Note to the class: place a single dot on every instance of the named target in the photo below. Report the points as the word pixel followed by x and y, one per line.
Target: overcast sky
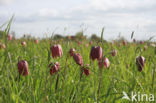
pixel 45 16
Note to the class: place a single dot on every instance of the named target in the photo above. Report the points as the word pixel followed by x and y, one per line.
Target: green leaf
pixel 102 34
pixel 132 34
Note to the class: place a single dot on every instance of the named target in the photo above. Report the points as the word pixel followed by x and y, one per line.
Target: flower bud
pixel 56 51
pixel 124 42
pixel 23 67
pixel 106 63
pixel 90 43
pixel 54 68
pixel 36 41
pixel 23 43
pixel 86 45
pixel 96 53
pixel 72 51
pixel 141 42
pixel 78 59
pixel 9 37
pixel 140 62
pixel 114 52
pixel 134 40
pixel 86 70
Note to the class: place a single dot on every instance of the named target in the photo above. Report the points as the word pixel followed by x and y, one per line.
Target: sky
pixel 42 17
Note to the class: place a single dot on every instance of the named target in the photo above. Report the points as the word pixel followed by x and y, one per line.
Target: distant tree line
pixel 78 36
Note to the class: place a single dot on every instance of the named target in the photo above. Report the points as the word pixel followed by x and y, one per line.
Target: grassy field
pixel 65 86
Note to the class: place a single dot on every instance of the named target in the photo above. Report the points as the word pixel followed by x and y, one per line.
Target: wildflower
pixel 134 40
pixel 23 67
pixel 9 37
pixel 36 41
pixel 114 52
pixel 86 70
pixel 96 53
pixel 54 68
pixel 140 61
pixel 141 42
pixel 56 51
pixel 124 43
pixel 105 63
pixel 90 43
pixel 23 43
pixel 72 51
pixel 78 59
pixel 86 45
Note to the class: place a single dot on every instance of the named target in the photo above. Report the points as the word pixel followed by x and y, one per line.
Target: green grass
pixel 39 86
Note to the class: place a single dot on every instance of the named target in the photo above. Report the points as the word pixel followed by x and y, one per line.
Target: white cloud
pixel 47 12
pixel 121 4
pixel 115 15
pixel 6 2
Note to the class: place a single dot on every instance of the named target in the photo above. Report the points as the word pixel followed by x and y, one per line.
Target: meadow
pixel 70 84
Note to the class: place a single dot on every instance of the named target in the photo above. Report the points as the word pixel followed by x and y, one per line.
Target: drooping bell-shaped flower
pixel 9 37
pixel 23 43
pixel 56 51
pixel 23 67
pixel 124 42
pixel 72 51
pixel 36 41
pixel 114 52
pixel 96 53
pixel 134 40
pixel 54 68
pixel 78 59
pixel 105 63
pixel 86 70
pixel 140 61
pixel 90 42
pixel 141 42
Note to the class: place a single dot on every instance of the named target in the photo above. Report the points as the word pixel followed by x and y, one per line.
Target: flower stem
pixel 57 81
pixel 100 81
